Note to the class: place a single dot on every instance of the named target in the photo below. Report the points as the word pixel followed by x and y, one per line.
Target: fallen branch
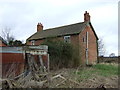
pixel 6 83
pixel 74 81
pixel 60 83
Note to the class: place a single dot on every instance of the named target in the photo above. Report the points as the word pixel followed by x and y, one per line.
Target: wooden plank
pixel 41 47
pixel 44 47
pixel 48 63
pixel 41 62
pixel 37 52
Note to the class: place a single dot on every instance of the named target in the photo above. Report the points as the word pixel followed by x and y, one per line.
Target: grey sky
pixel 22 17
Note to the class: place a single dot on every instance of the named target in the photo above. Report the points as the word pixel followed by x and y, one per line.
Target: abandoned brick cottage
pixel 79 34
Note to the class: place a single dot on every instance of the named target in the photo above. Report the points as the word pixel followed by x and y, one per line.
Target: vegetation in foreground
pixel 62 54
pixel 87 77
pixel 105 70
pixel 90 77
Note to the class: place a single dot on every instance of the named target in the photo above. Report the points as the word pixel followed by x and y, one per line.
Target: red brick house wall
pixel 92 46
pixel 38 42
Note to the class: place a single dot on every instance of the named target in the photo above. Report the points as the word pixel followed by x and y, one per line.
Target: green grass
pixel 98 69
pixel 85 74
pixel 106 70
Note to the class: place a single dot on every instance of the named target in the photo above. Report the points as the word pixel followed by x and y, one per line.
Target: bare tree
pixel 101 47
pixel 6 34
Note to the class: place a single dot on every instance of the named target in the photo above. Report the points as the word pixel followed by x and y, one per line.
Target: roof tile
pixel 59 31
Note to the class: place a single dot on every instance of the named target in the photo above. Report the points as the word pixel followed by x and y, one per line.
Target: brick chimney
pixel 86 17
pixel 39 27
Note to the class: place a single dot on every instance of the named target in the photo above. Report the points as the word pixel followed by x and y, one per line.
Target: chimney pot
pixel 39 27
pixel 86 17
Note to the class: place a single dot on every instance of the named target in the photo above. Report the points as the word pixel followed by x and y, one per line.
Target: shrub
pixel 62 54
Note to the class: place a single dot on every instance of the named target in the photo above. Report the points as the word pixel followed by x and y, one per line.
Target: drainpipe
pixel 87 48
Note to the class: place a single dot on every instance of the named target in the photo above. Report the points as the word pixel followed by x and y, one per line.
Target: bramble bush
pixel 62 54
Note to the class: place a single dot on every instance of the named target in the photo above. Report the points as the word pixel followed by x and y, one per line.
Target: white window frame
pixel 33 42
pixel 67 39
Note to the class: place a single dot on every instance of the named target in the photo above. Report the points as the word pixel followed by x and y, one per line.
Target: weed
pixel 98 69
pixel 106 70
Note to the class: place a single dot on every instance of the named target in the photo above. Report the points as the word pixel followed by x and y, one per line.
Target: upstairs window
pixel 67 39
pixel 84 39
pixel 33 42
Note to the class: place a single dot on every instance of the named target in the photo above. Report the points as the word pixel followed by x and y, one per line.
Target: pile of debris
pixel 37 81
pixel 35 76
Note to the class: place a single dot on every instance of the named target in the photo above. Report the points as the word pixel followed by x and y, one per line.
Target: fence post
pixel 48 63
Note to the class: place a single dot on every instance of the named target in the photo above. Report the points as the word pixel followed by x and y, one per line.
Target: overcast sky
pixel 22 17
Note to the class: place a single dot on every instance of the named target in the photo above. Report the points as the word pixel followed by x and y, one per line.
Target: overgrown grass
pixel 85 74
pixel 106 70
pixel 98 69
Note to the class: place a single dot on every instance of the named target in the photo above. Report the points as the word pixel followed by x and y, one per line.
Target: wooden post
pixel 48 67
pixel 29 62
pixel 35 50
pixel 41 62
pixel 24 54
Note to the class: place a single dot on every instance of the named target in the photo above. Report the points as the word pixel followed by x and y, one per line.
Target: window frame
pixel 32 42
pixel 67 38
pixel 83 39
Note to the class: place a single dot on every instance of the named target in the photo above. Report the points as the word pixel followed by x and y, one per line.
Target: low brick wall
pixel 108 59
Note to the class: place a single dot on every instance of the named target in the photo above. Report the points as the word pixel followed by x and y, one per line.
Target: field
pixel 82 77
pixel 91 77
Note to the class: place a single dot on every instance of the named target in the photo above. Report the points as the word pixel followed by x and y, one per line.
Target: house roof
pixel 60 31
pixel 3 40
